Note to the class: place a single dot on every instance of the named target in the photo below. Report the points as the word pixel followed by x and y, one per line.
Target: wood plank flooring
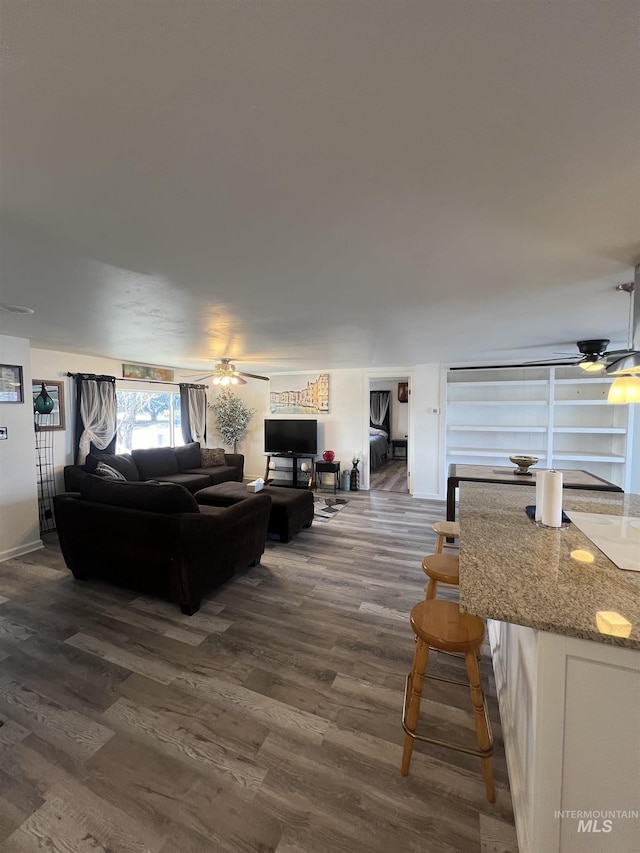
pixel 269 721
pixel 391 476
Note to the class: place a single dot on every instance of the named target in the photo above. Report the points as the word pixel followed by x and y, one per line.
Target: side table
pixel 322 467
pixel 398 443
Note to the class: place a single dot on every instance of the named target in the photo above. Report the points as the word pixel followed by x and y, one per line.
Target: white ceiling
pixel 297 184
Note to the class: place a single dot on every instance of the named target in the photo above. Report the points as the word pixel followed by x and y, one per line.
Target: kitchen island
pixel 564 627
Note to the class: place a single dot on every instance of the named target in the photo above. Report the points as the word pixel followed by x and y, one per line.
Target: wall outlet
pixel 435 410
pixel 4 433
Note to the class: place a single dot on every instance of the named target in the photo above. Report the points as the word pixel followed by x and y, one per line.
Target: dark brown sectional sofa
pixel 154 538
pixel 181 465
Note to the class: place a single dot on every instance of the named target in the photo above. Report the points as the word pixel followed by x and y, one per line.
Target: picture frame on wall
pixel 403 392
pixel 11 385
pixel 55 419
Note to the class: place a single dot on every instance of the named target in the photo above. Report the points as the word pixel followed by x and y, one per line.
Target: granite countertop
pixel 513 570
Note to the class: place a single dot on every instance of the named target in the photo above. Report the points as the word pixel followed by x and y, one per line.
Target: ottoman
pixel 291 509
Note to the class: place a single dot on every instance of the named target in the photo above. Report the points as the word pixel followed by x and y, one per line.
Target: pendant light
pixel 43 404
pixel 624 389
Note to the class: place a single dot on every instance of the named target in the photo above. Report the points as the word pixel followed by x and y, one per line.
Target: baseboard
pixel 20 550
pixel 428 496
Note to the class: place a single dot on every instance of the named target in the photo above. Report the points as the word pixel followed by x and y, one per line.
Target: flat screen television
pixel 291 436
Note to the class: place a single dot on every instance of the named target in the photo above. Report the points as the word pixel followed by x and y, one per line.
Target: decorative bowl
pixel 328 456
pixel 523 463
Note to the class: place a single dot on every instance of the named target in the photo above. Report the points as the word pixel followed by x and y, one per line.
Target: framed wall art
pixel 11 387
pixel 143 371
pixel 55 418
pixel 306 394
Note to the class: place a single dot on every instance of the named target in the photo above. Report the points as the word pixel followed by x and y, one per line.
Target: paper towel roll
pixel 540 475
pixel 552 499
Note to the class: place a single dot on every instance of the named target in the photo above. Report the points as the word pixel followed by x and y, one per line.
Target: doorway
pixel 389 422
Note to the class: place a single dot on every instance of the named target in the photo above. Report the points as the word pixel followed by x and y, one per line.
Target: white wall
pixel 426 432
pixel 340 430
pixel 19 523
pixel 399 411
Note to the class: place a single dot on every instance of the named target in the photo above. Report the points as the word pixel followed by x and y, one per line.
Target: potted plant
pixel 231 417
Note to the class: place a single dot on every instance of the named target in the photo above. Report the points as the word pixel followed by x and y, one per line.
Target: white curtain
pixel 198 414
pixel 99 413
pixel 379 405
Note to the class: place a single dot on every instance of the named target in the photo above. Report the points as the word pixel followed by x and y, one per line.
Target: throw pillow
pixel 122 462
pixel 104 470
pixel 212 456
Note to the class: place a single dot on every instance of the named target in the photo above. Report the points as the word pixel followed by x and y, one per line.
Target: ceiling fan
pixel 592 355
pixel 225 373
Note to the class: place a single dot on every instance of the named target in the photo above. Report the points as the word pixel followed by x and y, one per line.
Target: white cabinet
pixel 569 712
pixel 550 412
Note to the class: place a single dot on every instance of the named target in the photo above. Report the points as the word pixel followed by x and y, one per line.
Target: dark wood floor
pixel 269 721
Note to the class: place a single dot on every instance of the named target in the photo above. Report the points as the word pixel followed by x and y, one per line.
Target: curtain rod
pixel 130 379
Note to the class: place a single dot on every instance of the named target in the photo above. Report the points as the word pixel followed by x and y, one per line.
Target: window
pixel 148 419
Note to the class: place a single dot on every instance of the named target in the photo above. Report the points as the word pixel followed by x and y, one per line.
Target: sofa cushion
pixel 150 497
pixel 211 456
pixel 104 470
pixel 153 462
pixel 192 482
pixel 222 474
pixel 122 462
pixel 188 455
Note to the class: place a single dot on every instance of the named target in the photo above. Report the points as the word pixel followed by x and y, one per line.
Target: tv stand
pixel 293 484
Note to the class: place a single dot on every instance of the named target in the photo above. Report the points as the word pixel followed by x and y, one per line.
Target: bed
pixel 378 447
pixel 379 438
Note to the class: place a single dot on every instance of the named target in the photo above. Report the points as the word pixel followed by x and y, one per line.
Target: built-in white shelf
pixel 567 416
pixel 598 380
pixel 498 403
pixel 491 451
pixel 590 457
pixel 492 428
pixel 581 402
pixel 516 383
pixel 590 430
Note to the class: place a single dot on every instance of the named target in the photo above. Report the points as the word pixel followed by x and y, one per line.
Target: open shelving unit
pixel 279 473
pixel 556 413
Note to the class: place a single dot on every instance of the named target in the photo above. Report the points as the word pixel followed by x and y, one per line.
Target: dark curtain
pixel 96 415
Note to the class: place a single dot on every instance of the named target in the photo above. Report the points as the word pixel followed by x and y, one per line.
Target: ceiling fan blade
pixel 252 375
pixel 618 353
pixel 551 361
pixel 522 364
pixel 200 375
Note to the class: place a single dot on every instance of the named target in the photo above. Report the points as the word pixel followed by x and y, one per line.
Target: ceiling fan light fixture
pixel 624 390
pixel 592 366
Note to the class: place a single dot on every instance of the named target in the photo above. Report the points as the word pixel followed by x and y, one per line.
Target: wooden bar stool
pixel 440 568
pixel 441 625
pixel 446 530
